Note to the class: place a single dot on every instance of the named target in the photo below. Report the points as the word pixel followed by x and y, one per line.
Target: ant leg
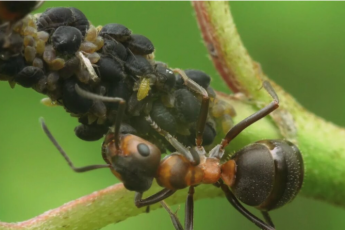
pixel 189 209
pixel 63 153
pixel 155 198
pixel 174 219
pixel 192 85
pixel 234 202
pixel 267 218
pixel 190 154
pixel 238 128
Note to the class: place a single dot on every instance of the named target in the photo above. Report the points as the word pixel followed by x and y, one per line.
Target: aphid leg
pixel 63 153
pixel 267 218
pixel 189 210
pixel 155 198
pixel 234 202
pixel 190 154
pixel 174 219
pixel 238 128
pixel 121 109
pixel 192 85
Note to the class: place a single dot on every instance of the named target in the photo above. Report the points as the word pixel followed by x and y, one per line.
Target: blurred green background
pixel 300 45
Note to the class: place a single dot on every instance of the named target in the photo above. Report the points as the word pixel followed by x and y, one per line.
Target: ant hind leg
pixel 239 207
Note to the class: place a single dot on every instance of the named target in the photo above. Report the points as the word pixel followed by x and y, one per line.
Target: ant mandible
pixel 266 174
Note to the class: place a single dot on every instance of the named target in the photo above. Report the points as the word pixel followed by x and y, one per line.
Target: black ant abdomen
pixel 269 174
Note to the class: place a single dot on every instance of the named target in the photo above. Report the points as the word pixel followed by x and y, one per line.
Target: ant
pixel 266 174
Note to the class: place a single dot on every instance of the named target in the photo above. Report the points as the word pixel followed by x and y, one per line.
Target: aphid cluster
pixel 53 51
pixel 107 77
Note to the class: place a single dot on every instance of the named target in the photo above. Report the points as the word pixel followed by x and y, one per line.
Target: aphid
pixel 66 40
pixel 110 69
pixel 144 88
pixel 163 117
pixel 138 65
pixel 114 49
pixel 71 99
pixel 55 17
pixel 140 44
pixel 11 67
pixel 91 132
pixel 166 79
pixel 116 31
pixel 186 105
pixel 196 75
pixel 29 76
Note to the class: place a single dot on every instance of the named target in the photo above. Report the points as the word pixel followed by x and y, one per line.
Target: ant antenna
pixel 64 154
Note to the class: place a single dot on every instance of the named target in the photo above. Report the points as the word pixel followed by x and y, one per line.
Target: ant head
pixel 135 162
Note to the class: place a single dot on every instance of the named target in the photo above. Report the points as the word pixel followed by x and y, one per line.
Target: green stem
pixel 321 142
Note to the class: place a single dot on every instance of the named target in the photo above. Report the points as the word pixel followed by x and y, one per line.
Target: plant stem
pixel 321 142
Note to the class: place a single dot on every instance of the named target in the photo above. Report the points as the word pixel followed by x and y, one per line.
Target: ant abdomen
pixel 268 174
pixel 135 163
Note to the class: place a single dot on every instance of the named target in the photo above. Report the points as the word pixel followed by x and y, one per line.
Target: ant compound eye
pixel 143 149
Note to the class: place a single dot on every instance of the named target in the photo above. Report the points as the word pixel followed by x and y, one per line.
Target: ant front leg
pixel 155 198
